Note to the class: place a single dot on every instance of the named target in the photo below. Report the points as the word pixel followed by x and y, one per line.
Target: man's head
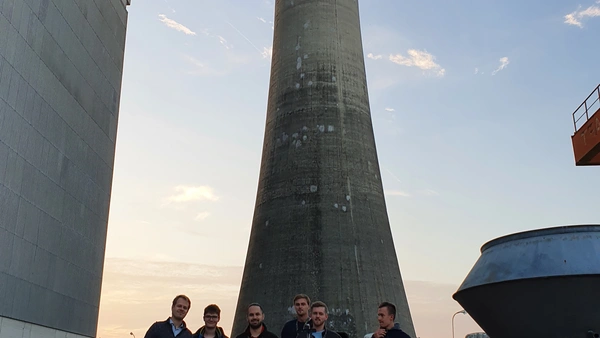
pixel 255 315
pixel 318 314
pixel 301 305
pixel 180 307
pixel 386 314
pixel 212 315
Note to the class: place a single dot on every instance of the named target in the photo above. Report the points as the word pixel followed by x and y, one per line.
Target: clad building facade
pixel 61 64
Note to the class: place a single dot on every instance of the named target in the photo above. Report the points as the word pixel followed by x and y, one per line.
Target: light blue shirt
pixel 318 334
pixel 177 330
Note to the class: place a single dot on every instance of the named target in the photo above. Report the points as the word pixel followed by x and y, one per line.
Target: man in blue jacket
pixel 174 326
pixel 386 315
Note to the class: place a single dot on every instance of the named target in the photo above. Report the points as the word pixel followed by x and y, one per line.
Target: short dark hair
pixel 254 304
pixel 318 304
pixel 184 297
pixel 212 308
pixel 302 296
pixel 391 308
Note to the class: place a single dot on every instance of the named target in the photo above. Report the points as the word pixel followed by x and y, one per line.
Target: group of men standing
pixel 310 322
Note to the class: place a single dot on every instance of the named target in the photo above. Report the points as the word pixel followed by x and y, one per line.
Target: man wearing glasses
pixel 212 315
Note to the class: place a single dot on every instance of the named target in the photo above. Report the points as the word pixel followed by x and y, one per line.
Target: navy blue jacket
pixel 165 330
pixel 396 332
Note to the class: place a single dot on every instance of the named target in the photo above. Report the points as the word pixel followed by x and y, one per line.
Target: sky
pixel 471 105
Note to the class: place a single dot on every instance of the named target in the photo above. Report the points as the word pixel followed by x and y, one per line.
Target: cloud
pixel 267 52
pixel 397 193
pixel 188 194
pixel 390 109
pixel 245 38
pixel 202 216
pixel 575 17
pixel 374 57
pixel 175 25
pixel 503 63
pixel 392 174
pixel 199 67
pixel 419 59
pixel 428 192
pixel 224 42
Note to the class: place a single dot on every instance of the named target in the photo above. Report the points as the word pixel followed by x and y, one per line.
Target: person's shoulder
pixel 290 322
pixel 157 324
pixel 269 334
pixel 397 333
pixel 220 332
pixel 185 333
pixel 332 334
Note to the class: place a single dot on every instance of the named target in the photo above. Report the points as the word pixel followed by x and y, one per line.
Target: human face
pixel 301 306
pixel 318 317
pixel 211 320
pixel 255 317
pixel 386 320
pixel 180 309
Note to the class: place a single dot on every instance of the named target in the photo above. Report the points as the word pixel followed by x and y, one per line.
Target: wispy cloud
pixel 575 18
pixel 390 109
pixel 374 57
pixel 428 192
pixel 392 174
pixel 267 22
pixel 188 194
pixel 245 37
pixel 397 193
pixel 503 63
pixel 199 68
pixel 223 42
pixel 419 59
pixel 175 25
pixel 202 216
pixel 267 52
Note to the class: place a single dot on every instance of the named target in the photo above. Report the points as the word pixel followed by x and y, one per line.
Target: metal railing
pixel 586 109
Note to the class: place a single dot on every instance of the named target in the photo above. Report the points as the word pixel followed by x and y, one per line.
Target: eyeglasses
pixel 211 317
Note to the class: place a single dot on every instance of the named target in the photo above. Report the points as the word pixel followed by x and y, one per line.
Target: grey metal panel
pixel 57 132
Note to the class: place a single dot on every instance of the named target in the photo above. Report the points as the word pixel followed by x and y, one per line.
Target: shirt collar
pixel 180 326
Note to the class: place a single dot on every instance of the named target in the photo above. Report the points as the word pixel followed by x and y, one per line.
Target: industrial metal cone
pixel 320 224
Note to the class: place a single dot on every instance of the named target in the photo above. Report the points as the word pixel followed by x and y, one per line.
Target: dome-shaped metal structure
pixel 539 283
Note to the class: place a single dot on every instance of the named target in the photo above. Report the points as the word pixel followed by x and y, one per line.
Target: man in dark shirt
pixel 386 314
pixel 319 315
pixel 300 326
pixel 256 328
pixel 174 326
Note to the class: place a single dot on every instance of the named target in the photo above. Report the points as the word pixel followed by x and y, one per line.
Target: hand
pixel 379 333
